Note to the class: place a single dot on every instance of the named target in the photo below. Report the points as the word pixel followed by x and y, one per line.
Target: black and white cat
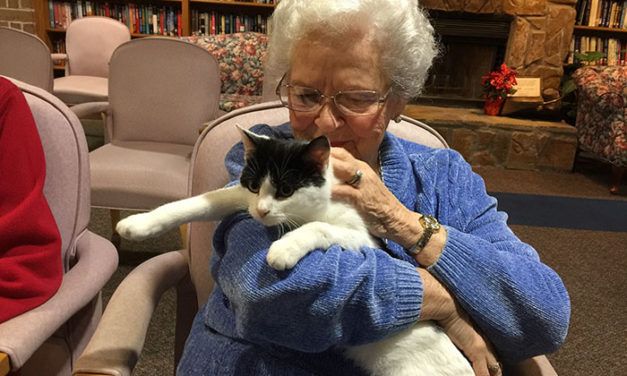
pixel 288 183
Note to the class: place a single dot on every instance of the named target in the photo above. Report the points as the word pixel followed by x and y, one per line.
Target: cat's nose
pixel 263 212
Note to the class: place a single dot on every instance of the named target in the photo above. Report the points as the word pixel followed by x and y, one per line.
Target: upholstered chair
pixel 602 116
pixel 89 43
pixel 119 339
pixel 161 92
pixel 25 57
pixel 47 339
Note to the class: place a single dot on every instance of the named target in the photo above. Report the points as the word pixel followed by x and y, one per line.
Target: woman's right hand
pixel 439 305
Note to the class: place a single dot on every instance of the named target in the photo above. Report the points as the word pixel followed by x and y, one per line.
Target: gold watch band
pixel 430 225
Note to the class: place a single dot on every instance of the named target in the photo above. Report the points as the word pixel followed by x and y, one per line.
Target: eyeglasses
pixel 349 102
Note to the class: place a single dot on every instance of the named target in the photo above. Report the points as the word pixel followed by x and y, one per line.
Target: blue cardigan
pixel 293 322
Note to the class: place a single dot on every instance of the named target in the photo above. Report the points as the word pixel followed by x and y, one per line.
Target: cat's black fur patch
pixel 288 164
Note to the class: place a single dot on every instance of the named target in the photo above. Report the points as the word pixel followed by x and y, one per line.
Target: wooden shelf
pixel 49 35
pixel 600 30
pixel 234 3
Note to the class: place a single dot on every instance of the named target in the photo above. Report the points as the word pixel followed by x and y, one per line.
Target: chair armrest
pixel 536 366
pixel 21 336
pixel 84 109
pixel 119 338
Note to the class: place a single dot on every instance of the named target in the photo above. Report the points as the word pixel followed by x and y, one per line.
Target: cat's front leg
pixel 284 253
pixel 213 205
pixel 142 226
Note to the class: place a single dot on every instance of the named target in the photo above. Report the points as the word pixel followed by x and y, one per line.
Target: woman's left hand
pixel 381 210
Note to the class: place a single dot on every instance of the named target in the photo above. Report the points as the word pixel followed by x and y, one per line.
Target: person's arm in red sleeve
pixel 30 244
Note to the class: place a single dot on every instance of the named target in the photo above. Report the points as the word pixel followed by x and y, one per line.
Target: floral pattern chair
pixel 241 57
pixel 601 115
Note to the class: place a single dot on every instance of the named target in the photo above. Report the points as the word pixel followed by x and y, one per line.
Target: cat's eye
pixel 253 186
pixel 284 191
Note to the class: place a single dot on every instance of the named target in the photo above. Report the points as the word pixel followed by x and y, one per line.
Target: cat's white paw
pixel 283 254
pixel 138 227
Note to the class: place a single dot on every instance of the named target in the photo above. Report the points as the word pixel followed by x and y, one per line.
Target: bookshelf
pixel 601 26
pixel 154 17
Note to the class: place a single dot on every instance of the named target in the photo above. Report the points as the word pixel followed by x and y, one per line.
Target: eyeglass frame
pixel 379 102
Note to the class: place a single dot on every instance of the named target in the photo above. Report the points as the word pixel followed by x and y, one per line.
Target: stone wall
pixel 502 141
pixel 539 37
pixel 18 14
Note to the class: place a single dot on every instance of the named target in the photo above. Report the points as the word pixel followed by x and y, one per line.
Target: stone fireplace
pixel 536 45
pixel 532 36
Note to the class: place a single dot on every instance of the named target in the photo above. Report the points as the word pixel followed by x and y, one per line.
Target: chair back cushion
pixel 26 58
pixel 89 43
pixel 67 165
pixel 162 90
pixel 602 112
pixel 208 171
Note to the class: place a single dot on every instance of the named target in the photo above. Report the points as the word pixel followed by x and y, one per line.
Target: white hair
pixel 400 30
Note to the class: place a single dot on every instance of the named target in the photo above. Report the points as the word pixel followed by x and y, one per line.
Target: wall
pixel 18 14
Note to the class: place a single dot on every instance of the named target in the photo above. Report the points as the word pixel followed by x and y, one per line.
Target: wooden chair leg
pixel 617 175
pixel 115 237
pixel 184 229
pixel 5 365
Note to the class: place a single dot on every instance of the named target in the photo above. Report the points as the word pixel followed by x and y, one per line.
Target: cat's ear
pixel 249 139
pixel 318 150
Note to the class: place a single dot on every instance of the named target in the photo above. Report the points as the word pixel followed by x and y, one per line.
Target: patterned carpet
pixel 592 263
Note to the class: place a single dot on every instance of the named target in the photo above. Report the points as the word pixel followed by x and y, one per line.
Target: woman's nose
pixel 328 118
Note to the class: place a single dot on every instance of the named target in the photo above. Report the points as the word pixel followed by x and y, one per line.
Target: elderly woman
pixel 349 68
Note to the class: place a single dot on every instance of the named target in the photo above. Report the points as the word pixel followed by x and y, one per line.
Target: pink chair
pixel 89 43
pixel 119 339
pixel 161 92
pixel 48 339
pixel 25 57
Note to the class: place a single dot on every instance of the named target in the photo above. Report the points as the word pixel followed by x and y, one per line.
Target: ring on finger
pixel 494 369
pixel 355 179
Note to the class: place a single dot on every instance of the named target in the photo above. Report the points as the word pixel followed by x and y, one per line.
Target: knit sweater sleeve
pixel 331 297
pixel 518 302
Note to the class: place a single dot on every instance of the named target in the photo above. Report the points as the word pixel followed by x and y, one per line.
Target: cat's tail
pixel 209 206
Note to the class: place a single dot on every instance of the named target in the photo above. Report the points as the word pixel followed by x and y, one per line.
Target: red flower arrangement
pixel 499 83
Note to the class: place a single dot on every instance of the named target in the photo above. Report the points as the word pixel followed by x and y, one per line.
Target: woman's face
pixel 329 69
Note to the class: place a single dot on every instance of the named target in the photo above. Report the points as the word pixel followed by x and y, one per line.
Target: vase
pixel 493 106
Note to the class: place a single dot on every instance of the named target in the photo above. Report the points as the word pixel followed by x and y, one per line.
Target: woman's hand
pixel 439 305
pixel 385 216
pixel 380 209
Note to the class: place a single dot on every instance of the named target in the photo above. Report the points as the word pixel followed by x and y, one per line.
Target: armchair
pixel 241 57
pixel 602 116
pixel 89 43
pixel 25 57
pixel 118 341
pixel 161 92
pixel 47 339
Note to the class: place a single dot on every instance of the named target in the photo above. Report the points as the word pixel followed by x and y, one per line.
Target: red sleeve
pixel 30 243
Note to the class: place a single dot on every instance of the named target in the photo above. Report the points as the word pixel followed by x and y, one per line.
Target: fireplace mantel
pixel 539 37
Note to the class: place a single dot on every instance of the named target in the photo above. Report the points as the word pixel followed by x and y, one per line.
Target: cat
pixel 288 183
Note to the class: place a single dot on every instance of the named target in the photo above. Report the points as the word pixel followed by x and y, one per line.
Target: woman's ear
pixel 395 106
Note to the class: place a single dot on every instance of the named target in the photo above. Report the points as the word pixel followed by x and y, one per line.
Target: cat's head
pixel 288 178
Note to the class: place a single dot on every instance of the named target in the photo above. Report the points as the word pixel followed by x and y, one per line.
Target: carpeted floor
pixel 592 263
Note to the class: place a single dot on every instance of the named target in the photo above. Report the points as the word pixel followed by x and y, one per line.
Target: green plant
pixel 568 89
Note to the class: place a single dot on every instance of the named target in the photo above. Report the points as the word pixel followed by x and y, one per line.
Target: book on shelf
pixel 154 19
pixel 215 22
pixel 614 50
pixel 601 13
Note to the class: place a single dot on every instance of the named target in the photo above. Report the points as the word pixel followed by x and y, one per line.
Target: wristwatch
pixel 430 225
